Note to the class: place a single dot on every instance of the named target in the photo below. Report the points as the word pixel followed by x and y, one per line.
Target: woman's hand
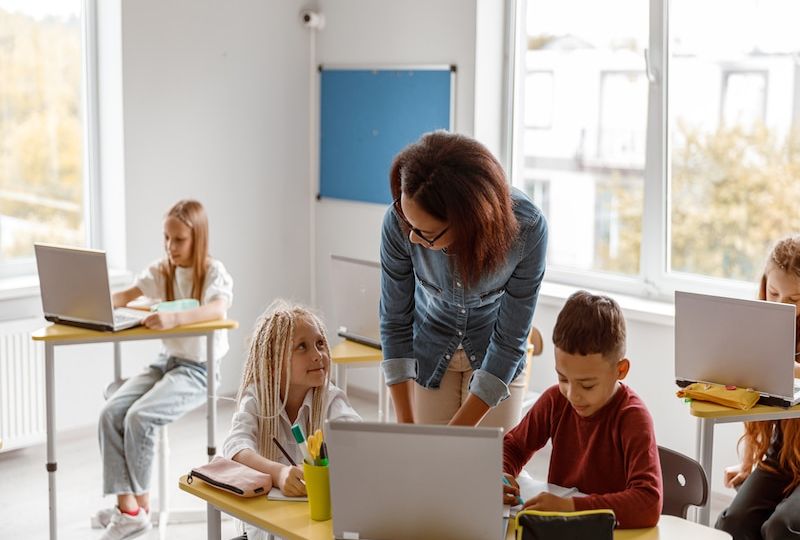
pixel 290 481
pixel 161 321
pixel 549 502
pixel 510 490
pixel 736 474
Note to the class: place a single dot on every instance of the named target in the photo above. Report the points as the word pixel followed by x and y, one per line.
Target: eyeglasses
pixel 430 241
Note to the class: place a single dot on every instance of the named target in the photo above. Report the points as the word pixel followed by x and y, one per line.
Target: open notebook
pixel 530 487
pixel 276 495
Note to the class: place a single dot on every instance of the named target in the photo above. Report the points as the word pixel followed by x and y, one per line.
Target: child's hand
pixel 549 502
pixel 290 482
pixel 735 475
pixel 161 321
pixel 510 492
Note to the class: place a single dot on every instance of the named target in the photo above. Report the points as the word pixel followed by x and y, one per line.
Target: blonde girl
pixel 286 381
pixel 176 382
pixel 768 502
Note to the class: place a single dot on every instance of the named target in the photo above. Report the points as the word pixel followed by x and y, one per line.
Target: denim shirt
pixel 426 312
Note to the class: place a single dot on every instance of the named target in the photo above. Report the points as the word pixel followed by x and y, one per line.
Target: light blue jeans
pixel 168 389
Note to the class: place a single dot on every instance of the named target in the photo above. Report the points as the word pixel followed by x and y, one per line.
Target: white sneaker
pixel 103 517
pixel 124 526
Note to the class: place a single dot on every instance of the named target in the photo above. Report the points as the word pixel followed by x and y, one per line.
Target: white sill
pixel 13 288
pixel 634 308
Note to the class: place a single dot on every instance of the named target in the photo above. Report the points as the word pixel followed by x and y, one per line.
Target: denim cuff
pixel 492 390
pixel 397 370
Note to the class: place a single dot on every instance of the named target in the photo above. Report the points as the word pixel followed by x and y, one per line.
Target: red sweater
pixel 611 456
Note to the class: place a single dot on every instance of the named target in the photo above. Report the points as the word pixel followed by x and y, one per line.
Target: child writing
pixel 603 438
pixel 176 382
pixel 768 502
pixel 286 381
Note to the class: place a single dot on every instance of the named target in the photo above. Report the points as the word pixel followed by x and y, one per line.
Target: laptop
pixel 746 343
pixel 74 287
pixel 410 481
pixel 356 287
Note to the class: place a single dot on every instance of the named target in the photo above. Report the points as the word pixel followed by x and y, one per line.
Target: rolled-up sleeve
pixel 397 303
pixel 515 314
pixel 244 427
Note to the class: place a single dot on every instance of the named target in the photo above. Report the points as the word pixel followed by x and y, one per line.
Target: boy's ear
pixel 623 367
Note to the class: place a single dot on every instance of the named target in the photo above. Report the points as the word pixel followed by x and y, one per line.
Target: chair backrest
pixel 685 482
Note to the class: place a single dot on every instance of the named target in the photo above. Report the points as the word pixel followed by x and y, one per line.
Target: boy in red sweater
pixel 603 438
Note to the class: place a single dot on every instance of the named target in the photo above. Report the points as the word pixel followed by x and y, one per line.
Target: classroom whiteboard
pixel 368 115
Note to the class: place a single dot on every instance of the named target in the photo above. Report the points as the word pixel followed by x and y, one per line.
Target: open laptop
pixel 356 287
pixel 408 481
pixel 746 343
pixel 74 287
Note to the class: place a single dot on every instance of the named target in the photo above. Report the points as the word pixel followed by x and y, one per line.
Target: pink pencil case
pixel 233 477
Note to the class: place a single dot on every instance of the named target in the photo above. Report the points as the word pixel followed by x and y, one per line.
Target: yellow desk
pixel 349 354
pixel 290 520
pixel 57 335
pixel 710 414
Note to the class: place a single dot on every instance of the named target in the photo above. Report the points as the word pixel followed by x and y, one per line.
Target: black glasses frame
pixel 430 241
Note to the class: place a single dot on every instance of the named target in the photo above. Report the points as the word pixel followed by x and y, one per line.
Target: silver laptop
pixel 746 343
pixel 74 288
pixel 407 481
pixel 356 287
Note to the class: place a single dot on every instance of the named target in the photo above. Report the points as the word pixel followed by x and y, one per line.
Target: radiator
pixel 22 403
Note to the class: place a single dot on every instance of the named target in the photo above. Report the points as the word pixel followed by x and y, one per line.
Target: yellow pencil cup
pixel 318 486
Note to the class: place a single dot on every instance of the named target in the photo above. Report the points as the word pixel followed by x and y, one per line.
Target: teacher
pixel 462 259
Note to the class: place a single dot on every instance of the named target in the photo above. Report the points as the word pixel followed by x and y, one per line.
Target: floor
pixel 23 480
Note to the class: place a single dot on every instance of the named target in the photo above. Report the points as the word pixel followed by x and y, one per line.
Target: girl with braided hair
pixel 768 502
pixel 286 380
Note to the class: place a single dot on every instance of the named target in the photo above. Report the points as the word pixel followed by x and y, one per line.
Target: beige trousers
pixel 438 405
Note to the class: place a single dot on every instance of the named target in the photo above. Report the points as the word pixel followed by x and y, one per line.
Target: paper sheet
pixel 276 495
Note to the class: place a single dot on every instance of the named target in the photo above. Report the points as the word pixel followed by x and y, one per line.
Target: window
pixel 43 186
pixel 669 156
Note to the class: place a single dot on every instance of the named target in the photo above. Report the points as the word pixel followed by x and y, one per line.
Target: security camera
pixel 312 19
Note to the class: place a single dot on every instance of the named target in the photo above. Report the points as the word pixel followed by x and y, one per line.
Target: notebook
pixel 356 287
pixel 74 287
pixel 745 343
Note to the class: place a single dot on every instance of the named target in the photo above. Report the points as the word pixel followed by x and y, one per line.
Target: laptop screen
pixel 356 290
pixel 408 481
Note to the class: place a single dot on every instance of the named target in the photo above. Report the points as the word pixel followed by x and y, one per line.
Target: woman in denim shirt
pixel 462 258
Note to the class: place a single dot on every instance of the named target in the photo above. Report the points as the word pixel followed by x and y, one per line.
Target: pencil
pixel 284 452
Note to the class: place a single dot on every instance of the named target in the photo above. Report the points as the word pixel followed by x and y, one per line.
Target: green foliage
pixel 41 177
pixel 734 192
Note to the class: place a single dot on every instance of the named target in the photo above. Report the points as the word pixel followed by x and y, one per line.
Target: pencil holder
pixel 319 491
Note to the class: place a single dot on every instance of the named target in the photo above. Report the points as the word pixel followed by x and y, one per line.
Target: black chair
pixel 685 482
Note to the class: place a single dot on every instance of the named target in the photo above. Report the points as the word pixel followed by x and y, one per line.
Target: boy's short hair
pixel 591 324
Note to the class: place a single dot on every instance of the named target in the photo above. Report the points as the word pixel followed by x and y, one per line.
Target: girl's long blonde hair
pixel 785 256
pixel 268 359
pixel 193 215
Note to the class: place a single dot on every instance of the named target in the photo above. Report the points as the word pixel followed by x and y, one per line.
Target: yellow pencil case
pixel 734 397
pixel 540 525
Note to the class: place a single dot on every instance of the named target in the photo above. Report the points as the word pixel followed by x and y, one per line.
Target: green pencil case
pixel 539 525
pixel 184 304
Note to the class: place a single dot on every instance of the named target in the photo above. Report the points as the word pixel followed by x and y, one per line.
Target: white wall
pixel 215 106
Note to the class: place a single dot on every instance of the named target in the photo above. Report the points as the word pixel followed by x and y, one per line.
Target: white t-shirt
pixel 244 427
pixel 218 284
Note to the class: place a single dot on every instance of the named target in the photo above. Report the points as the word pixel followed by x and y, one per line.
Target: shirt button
pixel 458 284
pixel 472 357
pixel 447 356
pixel 460 333
pixel 463 311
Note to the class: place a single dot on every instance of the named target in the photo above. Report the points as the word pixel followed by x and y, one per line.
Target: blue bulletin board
pixel 368 115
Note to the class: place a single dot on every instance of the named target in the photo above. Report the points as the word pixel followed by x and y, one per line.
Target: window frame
pixel 655 280
pixel 90 155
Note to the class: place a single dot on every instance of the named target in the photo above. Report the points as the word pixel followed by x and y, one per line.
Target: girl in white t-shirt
pixel 286 381
pixel 176 382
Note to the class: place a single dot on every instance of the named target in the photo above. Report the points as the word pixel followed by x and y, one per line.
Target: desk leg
pixel 211 391
pixel 340 373
pixel 705 436
pixel 51 466
pixel 117 363
pixel 214 523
